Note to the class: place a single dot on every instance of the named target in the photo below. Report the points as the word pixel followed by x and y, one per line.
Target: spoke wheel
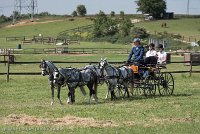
pixel 166 84
pixel 149 86
pixel 120 91
pixel 137 89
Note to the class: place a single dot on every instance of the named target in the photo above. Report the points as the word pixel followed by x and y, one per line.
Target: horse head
pixel 103 63
pixel 44 67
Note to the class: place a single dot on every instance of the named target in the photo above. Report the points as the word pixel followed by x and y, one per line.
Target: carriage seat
pixel 134 69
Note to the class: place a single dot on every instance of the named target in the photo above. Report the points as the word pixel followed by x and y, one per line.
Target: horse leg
pixel 95 92
pixel 107 94
pixel 89 99
pixel 108 91
pixel 90 88
pixel 52 92
pixel 69 99
pixel 58 95
pixel 126 90
pixel 73 97
pixel 112 94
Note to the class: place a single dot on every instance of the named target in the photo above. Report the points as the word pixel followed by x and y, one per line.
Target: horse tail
pixel 83 90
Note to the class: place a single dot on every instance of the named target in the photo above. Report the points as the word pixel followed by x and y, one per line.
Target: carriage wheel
pixel 137 89
pixel 166 84
pixel 149 86
pixel 120 91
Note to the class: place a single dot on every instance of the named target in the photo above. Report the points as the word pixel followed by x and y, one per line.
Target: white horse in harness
pixel 116 77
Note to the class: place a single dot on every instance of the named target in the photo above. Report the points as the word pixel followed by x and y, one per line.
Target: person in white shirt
pixel 152 51
pixel 162 55
pixel 150 59
pixel 151 55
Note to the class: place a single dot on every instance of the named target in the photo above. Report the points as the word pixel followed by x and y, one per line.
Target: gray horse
pixel 119 77
pixel 111 76
pixel 77 78
pixel 97 70
pixel 48 68
pixel 126 78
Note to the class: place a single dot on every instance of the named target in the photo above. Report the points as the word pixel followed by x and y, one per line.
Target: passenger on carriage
pixel 162 55
pixel 151 55
pixel 150 59
pixel 137 51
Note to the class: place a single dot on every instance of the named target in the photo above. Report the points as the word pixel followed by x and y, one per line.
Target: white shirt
pixel 151 53
pixel 162 57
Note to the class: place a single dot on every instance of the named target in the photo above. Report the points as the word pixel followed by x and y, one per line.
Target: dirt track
pixel 28 22
pixel 65 121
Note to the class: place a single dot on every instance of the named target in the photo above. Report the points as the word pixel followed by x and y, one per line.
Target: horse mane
pixel 51 65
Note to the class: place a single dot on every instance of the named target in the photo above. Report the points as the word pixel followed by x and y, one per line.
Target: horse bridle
pixel 44 67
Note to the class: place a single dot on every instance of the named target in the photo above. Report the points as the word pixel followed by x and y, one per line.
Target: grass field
pixel 185 27
pixel 25 100
pixel 25 105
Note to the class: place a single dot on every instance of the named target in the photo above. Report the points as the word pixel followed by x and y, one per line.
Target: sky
pixel 62 7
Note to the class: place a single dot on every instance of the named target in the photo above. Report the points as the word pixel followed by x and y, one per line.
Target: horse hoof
pixel 69 103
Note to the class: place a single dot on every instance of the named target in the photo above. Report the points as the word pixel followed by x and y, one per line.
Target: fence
pixel 42 40
pixel 66 50
pixel 8 73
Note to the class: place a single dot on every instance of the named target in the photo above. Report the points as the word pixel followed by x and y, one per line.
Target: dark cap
pixel 152 45
pixel 160 46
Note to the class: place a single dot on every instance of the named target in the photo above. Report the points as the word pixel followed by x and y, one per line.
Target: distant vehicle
pixel 194 44
pixel 148 17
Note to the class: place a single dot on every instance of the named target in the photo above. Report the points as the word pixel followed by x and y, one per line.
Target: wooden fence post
pixel 8 69
pixel 190 67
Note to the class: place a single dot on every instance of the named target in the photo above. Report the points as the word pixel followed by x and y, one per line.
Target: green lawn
pixel 185 26
pixel 175 114
pixel 26 99
pixel 46 29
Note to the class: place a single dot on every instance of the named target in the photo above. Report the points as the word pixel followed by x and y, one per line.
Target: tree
pixel 154 7
pixel 121 14
pixel 81 10
pixel 112 14
pixel 74 13
pixel 100 24
pixel 104 25
pixel 125 27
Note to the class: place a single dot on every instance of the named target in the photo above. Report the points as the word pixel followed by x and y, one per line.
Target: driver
pixel 137 51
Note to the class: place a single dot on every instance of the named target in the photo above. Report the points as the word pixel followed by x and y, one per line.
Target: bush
pixel 198 42
pixel 176 36
pixel 139 32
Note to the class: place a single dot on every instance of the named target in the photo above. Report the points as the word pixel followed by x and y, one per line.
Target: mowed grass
pixel 184 26
pixel 51 29
pixel 31 96
pixel 173 114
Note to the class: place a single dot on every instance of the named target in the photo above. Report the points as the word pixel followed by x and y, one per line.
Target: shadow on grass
pixel 131 98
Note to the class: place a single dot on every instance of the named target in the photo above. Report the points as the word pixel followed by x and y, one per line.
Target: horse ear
pixel 42 60
pixel 105 58
pixel 101 58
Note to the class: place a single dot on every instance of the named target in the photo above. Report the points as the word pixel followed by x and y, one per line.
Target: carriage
pixel 155 79
pixel 127 78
